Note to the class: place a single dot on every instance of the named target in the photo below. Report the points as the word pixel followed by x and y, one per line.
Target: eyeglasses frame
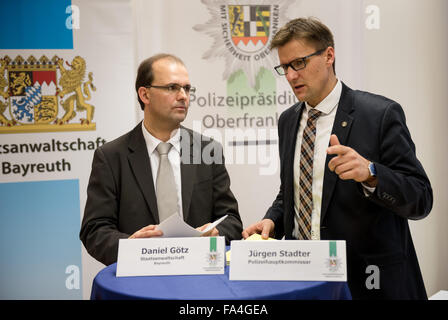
pixel 177 86
pixel 285 67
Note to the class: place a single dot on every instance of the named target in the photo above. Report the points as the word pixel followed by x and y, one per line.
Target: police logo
pixel 333 263
pixel 242 34
pixel 249 26
pixel 31 91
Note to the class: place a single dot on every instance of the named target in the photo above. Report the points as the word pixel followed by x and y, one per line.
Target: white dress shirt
pixel 324 125
pixel 173 156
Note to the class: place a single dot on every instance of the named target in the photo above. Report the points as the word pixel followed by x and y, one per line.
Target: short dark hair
pixel 145 74
pixel 309 29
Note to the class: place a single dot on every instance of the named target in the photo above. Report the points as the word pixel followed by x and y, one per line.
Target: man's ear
pixel 330 55
pixel 144 95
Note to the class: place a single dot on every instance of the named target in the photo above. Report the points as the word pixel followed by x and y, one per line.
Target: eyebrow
pixel 293 60
pixel 171 83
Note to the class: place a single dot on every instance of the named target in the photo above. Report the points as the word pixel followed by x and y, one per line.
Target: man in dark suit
pixel 134 185
pixel 348 169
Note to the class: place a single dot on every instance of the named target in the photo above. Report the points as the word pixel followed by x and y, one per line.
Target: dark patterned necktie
pixel 306 176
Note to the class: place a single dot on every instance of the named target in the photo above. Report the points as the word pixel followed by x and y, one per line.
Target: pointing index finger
pixel 337 149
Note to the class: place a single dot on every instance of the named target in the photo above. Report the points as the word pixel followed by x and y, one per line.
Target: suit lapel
pixel 341 128
pixel 141 167
pixel 294 127
pixel 188 167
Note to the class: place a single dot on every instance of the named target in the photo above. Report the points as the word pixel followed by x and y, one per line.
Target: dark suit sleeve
pixel 403 186
pixel 276 211
pixel 99 232
pixel 224 202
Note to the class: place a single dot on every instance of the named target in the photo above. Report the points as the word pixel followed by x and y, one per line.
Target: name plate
pixel 170 256
pixel 300 260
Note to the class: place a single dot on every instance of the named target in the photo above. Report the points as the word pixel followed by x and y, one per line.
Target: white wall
pixel 406 60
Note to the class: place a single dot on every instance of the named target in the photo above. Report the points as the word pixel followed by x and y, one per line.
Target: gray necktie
pixel 166 191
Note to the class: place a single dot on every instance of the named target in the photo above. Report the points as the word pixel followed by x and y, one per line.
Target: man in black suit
pixel 348 169
pixel 121 196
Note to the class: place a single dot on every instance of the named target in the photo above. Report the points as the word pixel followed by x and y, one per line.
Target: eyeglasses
pixel 175 88
pixel 297 64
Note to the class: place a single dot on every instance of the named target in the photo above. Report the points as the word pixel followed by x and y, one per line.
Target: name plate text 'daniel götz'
pixel 171 256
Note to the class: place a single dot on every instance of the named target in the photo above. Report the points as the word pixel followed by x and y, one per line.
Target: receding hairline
pixel 172 59
pixel 168 57
pixel 156 65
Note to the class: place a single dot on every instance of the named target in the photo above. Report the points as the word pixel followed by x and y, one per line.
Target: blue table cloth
pixel 210 287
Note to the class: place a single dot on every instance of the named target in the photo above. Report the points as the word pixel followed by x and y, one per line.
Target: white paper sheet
pixel 175 226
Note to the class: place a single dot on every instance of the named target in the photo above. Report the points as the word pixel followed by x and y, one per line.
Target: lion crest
pixel 78 92
pixel 45 95
pixel 4 93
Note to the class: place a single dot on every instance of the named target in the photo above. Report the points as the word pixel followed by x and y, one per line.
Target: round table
pixel 210 287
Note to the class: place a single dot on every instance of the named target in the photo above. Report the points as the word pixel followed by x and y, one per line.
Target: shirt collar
pixel 152 142
pixel 330 102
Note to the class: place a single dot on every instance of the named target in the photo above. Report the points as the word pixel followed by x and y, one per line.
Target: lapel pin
pixel 344 124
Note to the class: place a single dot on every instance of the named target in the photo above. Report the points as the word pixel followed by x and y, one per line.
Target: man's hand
pixel 147 232
pixel 265 227
pixel 349 164
pixel 212 233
